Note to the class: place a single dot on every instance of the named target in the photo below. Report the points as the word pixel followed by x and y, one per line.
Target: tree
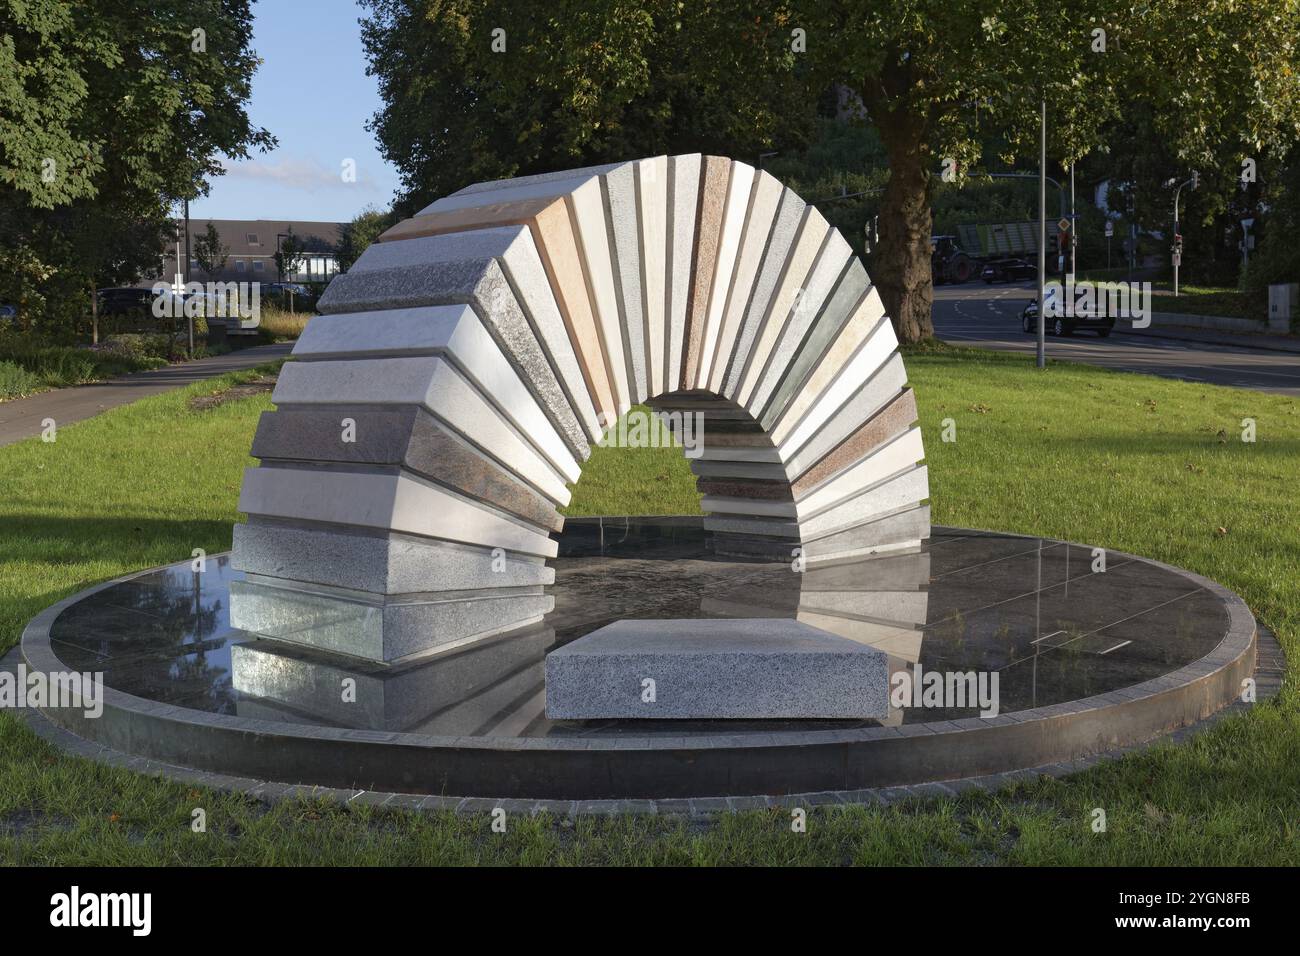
pixel 937 76
pixel 365 227
pixel 110 115
pixel 210 252
pixel 482 89
pixel 288 254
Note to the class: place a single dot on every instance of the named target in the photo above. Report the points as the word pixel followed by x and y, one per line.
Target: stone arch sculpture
pixel 440 406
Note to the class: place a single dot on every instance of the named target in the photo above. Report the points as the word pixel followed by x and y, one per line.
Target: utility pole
pixel 1042 238
pixel 1074 231
pixel 189 315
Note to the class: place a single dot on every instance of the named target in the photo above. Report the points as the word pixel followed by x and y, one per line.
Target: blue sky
pixel 313 94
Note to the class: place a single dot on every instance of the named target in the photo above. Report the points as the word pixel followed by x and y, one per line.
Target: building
pixel 252 245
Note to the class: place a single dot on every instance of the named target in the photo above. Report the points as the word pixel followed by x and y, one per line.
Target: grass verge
pixel 1124 461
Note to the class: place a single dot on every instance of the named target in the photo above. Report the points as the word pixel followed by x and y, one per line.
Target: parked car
pixel 1007 270
pixel 290 294
pixel 282 287
pixel 125 301
pixel 1065 324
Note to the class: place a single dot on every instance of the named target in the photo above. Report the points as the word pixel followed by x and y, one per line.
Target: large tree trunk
pixel 902 262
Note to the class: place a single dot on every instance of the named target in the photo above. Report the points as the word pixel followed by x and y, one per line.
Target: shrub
pixel 137 345
pixel 16 381
pixel 54 366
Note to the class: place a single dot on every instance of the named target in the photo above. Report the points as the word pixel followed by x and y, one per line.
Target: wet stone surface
pixel 1031 610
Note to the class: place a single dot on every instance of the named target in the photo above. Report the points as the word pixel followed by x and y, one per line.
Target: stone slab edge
pixel 1270 669
pixel 1166 703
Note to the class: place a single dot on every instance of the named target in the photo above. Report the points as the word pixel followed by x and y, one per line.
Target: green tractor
pixel 948 263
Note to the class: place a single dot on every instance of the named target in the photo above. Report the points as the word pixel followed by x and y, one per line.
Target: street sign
pixel 1064 225
pixel 1178 258
pixel 1110 229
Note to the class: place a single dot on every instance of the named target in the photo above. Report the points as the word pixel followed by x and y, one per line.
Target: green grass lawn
pixel 1193 299
pixel 1124 461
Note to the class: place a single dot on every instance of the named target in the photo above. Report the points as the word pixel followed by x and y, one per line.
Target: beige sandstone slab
pixel 740 187
pixel 714 178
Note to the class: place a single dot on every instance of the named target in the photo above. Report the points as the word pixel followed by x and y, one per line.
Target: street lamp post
pixel 1178 252
pixel 1074 231
pixel 186 272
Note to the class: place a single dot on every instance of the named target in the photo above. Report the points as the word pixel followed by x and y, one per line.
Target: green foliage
pixel 31 366
pixel 16 381
pixel 288 254
pixel 365 227
pixel 1277 255
pixel 110 113
pixel 209 251
pixel 138 345
pixel 577 83
pixel 1205 82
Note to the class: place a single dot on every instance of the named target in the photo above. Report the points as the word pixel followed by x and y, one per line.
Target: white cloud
pixel 309 175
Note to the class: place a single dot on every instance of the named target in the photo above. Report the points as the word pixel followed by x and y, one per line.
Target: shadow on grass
pixel 1173 445
pixel 35 537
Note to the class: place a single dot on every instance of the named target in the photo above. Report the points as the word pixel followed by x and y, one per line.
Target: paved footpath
pixel 22 417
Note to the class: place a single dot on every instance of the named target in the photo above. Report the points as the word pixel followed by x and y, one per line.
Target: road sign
pixel 1110 229
pixel 1064 225
pixel 1178 258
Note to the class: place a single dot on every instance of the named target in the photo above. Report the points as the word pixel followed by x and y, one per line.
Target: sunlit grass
pixel 1129 462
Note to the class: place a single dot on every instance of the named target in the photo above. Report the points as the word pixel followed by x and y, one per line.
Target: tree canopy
pixel 482 89
pixel 937 79
pixel 110 114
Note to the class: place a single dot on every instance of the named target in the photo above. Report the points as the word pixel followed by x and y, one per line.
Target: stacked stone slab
pixel 440 408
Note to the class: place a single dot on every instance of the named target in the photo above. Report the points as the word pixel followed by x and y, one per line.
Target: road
pixel 985 316
pixel 22 417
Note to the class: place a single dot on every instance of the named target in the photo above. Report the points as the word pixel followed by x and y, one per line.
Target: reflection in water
pixel 1039 616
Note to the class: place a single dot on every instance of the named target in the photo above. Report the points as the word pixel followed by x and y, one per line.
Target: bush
pixel 54 366
pixel 16 381
pixel 137 345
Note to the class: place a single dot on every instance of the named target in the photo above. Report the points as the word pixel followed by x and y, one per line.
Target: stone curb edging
pixel 817 760
pixel 1233 338
pixel 1269 672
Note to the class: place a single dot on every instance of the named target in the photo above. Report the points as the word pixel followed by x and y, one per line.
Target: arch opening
pixel 439 410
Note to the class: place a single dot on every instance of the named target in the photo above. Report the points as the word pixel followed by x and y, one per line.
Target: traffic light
pixel 1178 245
pixel 1196 179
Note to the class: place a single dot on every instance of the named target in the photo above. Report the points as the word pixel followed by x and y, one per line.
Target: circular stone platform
pixel 1087 662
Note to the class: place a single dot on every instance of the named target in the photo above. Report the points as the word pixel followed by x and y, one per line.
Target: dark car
pixel 1007 270
pixel 290 295
pixel 125 301
pixel 1065 324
